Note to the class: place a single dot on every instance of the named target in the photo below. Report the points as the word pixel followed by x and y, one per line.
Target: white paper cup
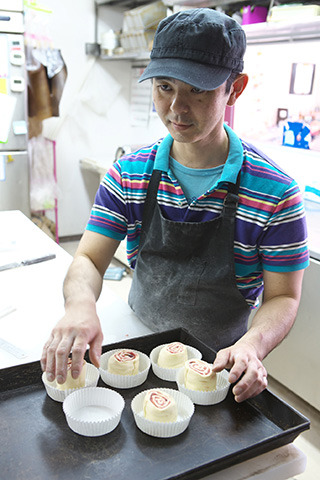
pixel 92 377
pixel 124 381
pixel 163 429
pixel 170 374
pixel 205 398
pixel 93 411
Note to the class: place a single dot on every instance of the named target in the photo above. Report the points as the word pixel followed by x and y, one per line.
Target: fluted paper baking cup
pixel 163 429
pixel 93 411
pixel 205 398
pixel 92 377
pixel 124 381
pixel 169 374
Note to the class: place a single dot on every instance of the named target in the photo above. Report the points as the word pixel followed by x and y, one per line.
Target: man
pixel 210 222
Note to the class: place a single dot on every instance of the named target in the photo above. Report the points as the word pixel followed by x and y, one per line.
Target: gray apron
pixel 184 274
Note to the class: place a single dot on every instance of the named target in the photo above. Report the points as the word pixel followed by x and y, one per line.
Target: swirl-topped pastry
pixel 159 406
pixel 124 362
pixel 199 375
pixel 173 355
pixel 73 382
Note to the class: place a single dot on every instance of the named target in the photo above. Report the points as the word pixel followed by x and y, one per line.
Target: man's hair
pixel 230 80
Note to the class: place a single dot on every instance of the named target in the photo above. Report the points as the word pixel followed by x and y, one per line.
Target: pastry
pixel 124 362
pixel 199 375
pixel 173 355
pixel 159 406
pixel 73 382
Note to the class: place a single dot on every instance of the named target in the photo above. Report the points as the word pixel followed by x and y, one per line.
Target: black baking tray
pixel 36 442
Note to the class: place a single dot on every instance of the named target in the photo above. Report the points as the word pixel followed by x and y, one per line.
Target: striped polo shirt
pixel 270 226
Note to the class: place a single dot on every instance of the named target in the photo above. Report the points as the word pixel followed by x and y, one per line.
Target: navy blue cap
pixel 200 47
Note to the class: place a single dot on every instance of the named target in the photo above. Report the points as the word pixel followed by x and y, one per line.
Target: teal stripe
pixel 105 232
pixel 292 268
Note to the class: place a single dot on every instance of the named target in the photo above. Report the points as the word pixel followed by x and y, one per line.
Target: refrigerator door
pixel 14 182
pixel 13 88
pixel 12 5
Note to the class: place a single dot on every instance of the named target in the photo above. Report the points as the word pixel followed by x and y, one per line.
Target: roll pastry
pixel 70 382
pixel 199 375
pixel 124 362
pixel 159 406
pixel 173 355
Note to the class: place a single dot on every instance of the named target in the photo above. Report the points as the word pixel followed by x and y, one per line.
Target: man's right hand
pixel 80 326
pixel 73 333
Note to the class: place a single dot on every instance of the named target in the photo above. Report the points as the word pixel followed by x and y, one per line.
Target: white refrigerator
pixel 14 165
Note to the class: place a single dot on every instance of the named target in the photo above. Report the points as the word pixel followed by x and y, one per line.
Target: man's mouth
pixel 180 126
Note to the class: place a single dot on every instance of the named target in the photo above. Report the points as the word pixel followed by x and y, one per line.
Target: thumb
pixel 95 351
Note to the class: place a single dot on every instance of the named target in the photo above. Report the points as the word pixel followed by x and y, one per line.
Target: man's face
pixel 191 115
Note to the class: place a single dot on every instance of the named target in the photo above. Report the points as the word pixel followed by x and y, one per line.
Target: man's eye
pixel 164 87
pixel 197 90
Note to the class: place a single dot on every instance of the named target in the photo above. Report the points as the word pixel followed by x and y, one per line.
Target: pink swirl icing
pixel 159 399
pixel 125 356
pixel 175 347
pixel 200 367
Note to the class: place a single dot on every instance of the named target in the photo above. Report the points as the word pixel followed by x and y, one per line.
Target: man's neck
pixel 201 155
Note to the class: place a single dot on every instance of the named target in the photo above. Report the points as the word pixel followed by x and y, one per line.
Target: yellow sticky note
pixel 3 86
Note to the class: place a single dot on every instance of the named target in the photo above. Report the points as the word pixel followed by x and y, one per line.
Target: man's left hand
pixel 243 361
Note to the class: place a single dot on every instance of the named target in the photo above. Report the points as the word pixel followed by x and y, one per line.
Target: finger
pixel 43 359
pixel 51 347
pixel 240 366
pixel 61 355
pixel 252 392
pixel 249 378
pixel 251 386
pixel 78 351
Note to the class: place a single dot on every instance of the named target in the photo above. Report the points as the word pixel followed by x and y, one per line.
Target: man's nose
pixel 179 104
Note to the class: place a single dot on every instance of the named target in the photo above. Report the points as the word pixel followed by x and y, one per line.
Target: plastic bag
pixel 43 186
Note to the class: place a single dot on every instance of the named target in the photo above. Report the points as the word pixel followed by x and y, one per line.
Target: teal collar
pixel 231 167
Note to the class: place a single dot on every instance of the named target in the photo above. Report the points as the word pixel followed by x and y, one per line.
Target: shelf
pixel 133 56
pixel 196 3
pixel 122 3
pixel 306 29
pixel 169 3
pixel 283 31
pixel 225 4
pixel 256 33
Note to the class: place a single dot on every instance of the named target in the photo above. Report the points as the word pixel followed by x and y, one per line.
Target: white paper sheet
pixel 141 96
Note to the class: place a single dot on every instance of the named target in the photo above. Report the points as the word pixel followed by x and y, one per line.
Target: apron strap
pixel 151 197
pixel 234 187
pixel 231 200
pixel 230 203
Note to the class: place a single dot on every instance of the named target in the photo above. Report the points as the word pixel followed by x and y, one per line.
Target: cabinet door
pixel 14 183
pixel 296 362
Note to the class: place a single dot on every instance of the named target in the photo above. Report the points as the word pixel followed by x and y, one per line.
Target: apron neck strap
pixel 234 187
pixel 151 197
pixel 230 203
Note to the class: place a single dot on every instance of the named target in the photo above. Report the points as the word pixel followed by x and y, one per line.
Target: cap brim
pixel 198 75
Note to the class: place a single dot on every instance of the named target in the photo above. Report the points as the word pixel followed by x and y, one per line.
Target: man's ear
pixel 237 88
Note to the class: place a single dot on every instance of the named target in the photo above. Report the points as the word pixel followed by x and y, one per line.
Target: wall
pixel 95 106
pixel 295 362
pixel 269 68
pixel 94 110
